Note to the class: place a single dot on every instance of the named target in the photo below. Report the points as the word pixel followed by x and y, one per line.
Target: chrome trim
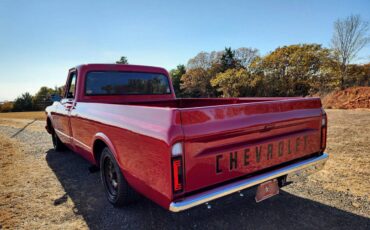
pixel 304 167
pixel 83 145
pixel 86 147
pixel 63 134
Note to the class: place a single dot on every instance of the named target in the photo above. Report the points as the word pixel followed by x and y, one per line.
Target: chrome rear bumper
pixel 302 168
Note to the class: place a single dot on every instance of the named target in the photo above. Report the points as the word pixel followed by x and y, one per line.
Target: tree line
pixel 27 102
pixel 293 70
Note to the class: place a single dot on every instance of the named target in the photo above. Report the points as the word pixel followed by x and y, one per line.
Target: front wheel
pixel 57 143
pixel 118 191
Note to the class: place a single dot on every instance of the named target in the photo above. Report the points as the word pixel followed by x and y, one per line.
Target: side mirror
pixel 55 97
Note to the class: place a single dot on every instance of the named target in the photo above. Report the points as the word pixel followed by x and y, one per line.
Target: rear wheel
pixel 57 143
pixel 118 191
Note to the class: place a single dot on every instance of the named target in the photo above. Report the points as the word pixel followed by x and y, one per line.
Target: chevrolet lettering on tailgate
pixel 260 156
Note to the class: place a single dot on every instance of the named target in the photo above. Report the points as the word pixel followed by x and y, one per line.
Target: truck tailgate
pixel 229 141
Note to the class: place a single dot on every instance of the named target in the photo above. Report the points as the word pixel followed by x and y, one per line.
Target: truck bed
pixel 230 138
pixel 217 134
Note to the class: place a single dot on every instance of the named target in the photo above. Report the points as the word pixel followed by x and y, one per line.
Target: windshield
pixel 125 83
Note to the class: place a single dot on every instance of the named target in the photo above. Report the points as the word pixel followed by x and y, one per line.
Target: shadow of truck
pixel 285 211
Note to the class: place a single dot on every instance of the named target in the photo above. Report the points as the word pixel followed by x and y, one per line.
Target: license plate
pixel 266 190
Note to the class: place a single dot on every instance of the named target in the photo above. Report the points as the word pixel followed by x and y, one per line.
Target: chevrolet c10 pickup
pixel 180 153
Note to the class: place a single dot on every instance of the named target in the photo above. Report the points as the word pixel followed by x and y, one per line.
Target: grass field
pixel 25 203
pixel 348 144
pixel 38 115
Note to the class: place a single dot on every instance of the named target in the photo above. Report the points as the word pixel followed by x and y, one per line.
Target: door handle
pixel 68 106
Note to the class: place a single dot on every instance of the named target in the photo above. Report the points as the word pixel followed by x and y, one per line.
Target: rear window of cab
pixel 126 83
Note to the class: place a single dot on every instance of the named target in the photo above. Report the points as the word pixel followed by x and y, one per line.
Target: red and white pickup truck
pixel 180 153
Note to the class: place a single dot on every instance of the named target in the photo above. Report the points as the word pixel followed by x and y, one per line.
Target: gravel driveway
pixel 301 205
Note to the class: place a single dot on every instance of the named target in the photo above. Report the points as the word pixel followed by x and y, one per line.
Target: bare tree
pixel 204 60
pixel 350 36
pixel 201 60
pixel 246 56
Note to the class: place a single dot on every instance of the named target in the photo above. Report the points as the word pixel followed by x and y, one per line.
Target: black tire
pixel 57 143
pixel 117 190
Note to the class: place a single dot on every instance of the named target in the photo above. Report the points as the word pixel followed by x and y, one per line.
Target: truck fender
pixel 102 137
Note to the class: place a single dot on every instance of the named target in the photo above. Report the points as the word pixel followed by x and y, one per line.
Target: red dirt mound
pixel 351 98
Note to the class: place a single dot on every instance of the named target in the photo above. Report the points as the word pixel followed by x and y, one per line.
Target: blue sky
pixel 40 40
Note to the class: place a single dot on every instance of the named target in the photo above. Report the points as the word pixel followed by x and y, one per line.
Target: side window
pixel 71 91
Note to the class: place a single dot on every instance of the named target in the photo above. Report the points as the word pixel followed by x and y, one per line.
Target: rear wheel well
pixel 99 145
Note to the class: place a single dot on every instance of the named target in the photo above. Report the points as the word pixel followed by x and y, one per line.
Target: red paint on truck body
pixel 222 138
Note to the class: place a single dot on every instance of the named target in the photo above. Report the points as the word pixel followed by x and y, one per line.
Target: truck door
pixel 63 112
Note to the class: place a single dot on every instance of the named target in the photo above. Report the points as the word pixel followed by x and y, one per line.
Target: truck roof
pixel 120 67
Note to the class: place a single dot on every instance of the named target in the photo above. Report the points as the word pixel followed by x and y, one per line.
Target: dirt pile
pixel 351 98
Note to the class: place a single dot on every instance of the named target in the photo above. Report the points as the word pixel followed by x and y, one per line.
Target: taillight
pixel 177 174
pixel 324 124
pixel 177 168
